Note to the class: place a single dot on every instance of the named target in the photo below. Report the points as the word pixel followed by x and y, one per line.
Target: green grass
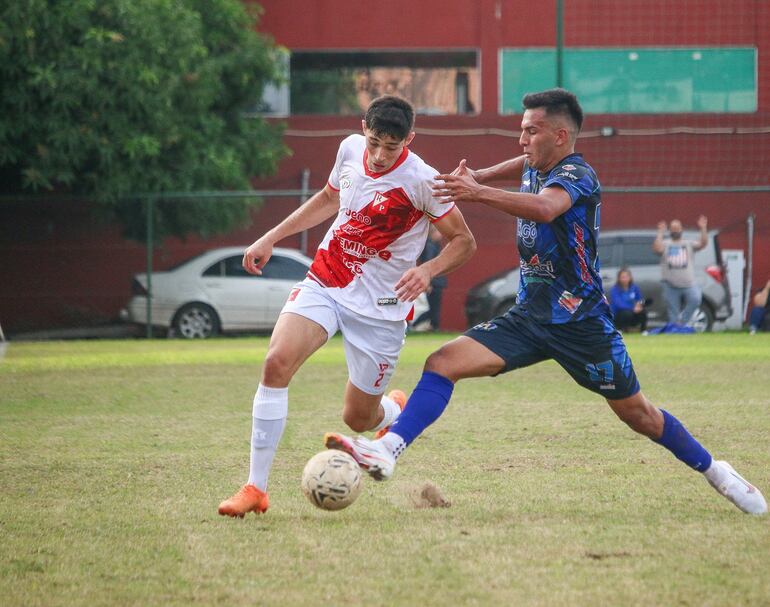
pixel 114 456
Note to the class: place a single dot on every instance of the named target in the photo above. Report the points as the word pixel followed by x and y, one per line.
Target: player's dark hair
pixel 390 115
pixel 556 102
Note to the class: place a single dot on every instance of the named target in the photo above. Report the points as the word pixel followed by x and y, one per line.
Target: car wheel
pixel 196 320
pixel 703 319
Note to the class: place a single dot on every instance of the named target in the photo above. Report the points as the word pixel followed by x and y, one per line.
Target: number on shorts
pixel 601 373
pixel 381 376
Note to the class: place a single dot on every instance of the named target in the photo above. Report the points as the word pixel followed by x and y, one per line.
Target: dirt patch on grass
pixel 428 495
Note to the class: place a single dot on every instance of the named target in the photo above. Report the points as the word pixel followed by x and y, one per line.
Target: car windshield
pixel 179 264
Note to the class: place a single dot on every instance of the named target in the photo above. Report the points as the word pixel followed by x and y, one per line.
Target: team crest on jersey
pixel 380 203
pixel 569 302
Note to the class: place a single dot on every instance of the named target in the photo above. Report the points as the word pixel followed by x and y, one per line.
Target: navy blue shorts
pixel 591 350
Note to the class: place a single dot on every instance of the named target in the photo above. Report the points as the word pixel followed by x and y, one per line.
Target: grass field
pixel 114 456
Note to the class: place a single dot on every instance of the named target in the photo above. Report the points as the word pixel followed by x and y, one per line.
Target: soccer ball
pixel 331 480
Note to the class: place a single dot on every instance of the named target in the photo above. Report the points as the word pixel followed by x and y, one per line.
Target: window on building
pixel 637 81
pixel 345 82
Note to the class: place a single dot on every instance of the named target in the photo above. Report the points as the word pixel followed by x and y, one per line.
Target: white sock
pixel 271 406
pixel 394 443
pixel 390 410
pixel 714 474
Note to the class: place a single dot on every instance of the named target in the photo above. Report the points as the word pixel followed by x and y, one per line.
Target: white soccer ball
pixel 331 480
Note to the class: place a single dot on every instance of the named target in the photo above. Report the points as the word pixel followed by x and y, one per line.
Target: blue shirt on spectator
pixel 624 299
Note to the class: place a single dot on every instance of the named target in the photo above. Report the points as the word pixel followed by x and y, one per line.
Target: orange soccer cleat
pixel 248 499
pixel 399 397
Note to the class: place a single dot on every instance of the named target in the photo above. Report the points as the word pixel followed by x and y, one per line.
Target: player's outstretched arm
pixel 460 247
pixel 508 169
pixel 318 208
pixel 460 186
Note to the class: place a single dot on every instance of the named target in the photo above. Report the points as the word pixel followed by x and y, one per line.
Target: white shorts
pixel 372 345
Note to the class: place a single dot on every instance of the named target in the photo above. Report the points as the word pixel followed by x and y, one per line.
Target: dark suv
pixel 619 248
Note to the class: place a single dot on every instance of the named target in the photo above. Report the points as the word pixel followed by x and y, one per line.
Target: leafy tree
pixel 110 98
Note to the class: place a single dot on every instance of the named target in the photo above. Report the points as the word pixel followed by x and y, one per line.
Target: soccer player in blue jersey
pixel 561 312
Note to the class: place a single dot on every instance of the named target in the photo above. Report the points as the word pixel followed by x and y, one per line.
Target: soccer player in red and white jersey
pixel 362 282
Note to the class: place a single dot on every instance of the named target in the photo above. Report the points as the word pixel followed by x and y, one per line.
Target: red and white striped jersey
pixel 379 232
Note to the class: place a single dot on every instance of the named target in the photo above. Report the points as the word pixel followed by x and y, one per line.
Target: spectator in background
pixel 678 269
pixel 627 304
pixel 433 247
pixel 759 311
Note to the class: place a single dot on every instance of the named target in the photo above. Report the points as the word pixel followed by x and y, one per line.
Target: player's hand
pixel 662 226
pixel 464 169
pixel 458 186
pixel 256 256
pixel 412 283
pixel 702 223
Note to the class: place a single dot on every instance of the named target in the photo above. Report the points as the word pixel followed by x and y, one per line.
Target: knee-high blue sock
pixel 426 403
pixel 680 442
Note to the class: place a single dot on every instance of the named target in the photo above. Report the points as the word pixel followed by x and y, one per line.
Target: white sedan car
pixel 212 293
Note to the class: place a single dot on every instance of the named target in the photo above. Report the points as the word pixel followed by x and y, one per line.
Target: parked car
pixel 211 293
pixel 617 249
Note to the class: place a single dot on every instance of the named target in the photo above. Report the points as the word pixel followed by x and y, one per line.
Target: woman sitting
pixel 627 304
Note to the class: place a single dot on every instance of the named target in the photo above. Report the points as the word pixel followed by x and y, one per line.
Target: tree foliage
pixel 110 98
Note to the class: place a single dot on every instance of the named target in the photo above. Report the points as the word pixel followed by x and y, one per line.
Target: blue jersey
pixel 560 279
pixel 624 299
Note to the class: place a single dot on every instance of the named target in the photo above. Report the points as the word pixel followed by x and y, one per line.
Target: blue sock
pixel 425 405
pixel 680 442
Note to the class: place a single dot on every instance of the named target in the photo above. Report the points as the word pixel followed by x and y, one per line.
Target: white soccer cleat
pixel 734 487
pixel 371 455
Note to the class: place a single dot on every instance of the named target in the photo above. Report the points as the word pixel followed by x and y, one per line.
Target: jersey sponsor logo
pixel 569 302
pixel 387 301
pixel 366 235
pixel 569 167
pixel 355 248
pixel 359 216
pixel 345 183
pixel 527 231
pixel 580 249
pixel 294 293
pixel 535 267
pixel 571 176
pixel 349 229
pixel 356 267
